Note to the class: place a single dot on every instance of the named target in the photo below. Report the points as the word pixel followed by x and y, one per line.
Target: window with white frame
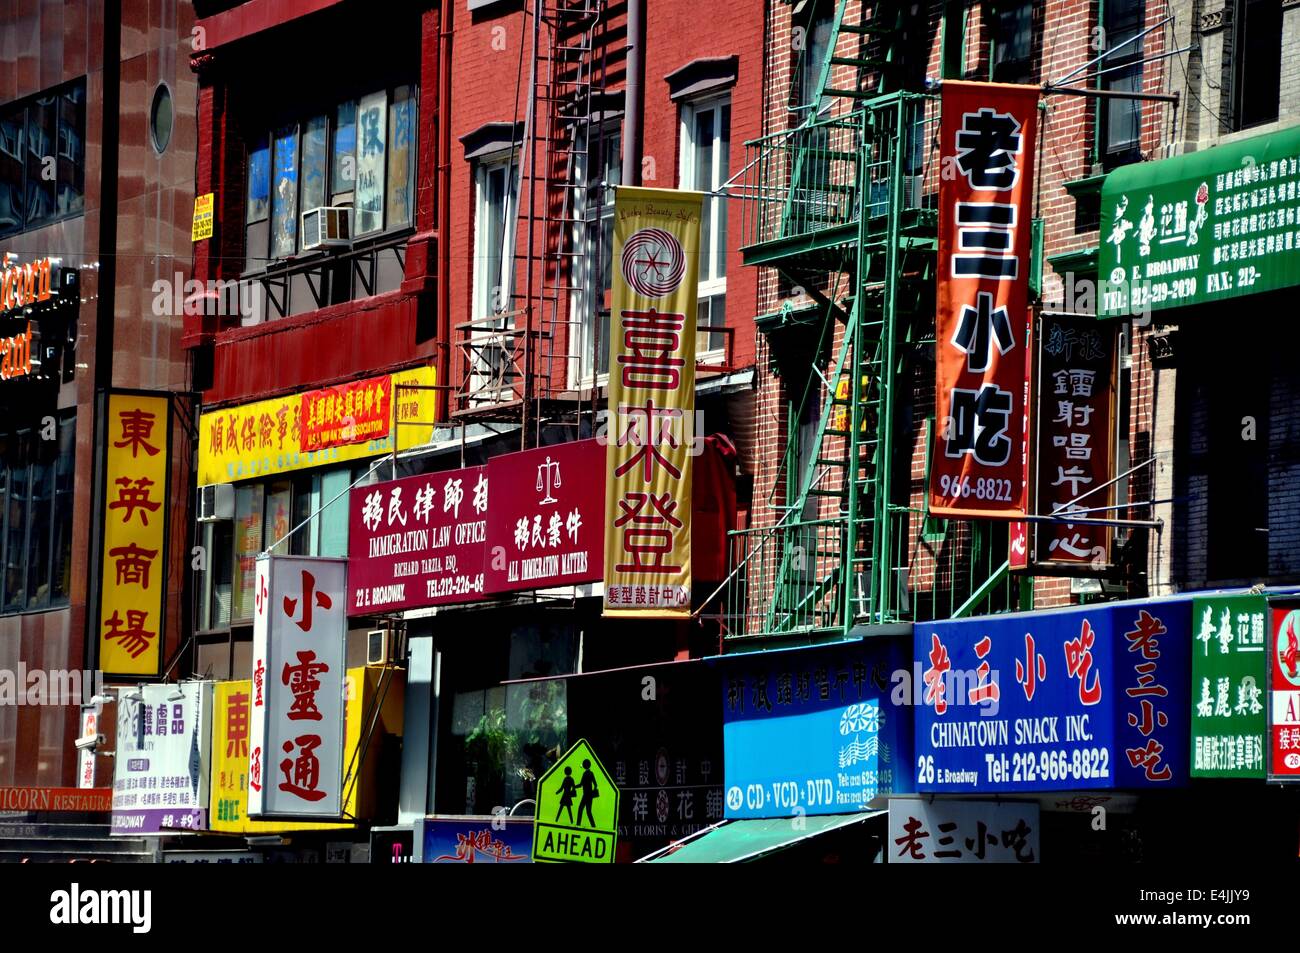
pixel 705 158
pixel 598 168
pixel 496 190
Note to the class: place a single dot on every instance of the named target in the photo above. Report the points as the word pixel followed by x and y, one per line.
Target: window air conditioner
pixel 379 646
pixel 216 502
pixel 326 227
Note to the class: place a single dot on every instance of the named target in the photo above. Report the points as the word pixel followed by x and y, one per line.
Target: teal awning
pixel 734 841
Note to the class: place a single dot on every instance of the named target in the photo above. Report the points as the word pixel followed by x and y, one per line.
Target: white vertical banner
pixel 297 717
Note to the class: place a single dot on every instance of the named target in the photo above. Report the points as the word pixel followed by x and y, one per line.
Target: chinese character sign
pixel 819 731
pixel 546 525
pixel 295 756
pixel 1077 371
pixel 1283 651
pixel 417 541
pixel 1229 686
pixel 232 704
pixel 962 832
pixel 982 330
pixel 1074 699
pixel 131 622
pixel 160 770
pixel 651 403
pixel 1207 226
pixel 332 425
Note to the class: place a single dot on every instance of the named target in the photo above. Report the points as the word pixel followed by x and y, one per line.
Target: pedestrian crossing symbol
pixel 577 811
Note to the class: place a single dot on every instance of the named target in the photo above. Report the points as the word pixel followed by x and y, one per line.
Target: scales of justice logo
pixel 653 262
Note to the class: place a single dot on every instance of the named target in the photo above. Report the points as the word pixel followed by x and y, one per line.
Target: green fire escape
pixel 842 206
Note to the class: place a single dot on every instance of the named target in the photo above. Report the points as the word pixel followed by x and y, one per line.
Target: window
pixel 160 119
pixel 1119 120
pixel 706 158
pixel 42 159
pixel 312 505
pixel 496 740
pixel 36 491
pixel 360 153
pixel 496 190
pixel 817 41
pixel 1011 46
pixel 1256 61
pixel 599 168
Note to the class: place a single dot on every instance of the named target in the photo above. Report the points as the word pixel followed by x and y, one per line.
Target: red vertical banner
pixel 982 329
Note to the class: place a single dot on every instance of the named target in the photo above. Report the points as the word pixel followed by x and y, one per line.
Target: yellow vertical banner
pixel 228 782
pixel 133 569
pixel 650 432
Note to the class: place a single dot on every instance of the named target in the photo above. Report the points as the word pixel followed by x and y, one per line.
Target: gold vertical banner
pixel 133 568
pixel 650 432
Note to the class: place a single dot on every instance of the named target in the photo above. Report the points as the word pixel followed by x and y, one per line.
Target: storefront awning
pixel 734 841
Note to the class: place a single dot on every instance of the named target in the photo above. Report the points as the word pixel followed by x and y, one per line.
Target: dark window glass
pixel 160 118
pixel 71 198
pixel 1012 43
pixel 42 159
pixel 13 135
pixel 64 473
pixel 1256 61
pixel 16 519
pixel 1120 120
pixel 343 164
pixel 314 156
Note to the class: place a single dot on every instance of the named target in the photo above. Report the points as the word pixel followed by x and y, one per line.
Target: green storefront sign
pixel 1229 665
pixel 1208 226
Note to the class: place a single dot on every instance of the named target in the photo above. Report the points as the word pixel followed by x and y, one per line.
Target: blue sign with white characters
pixel 1074 699
pixel 813 730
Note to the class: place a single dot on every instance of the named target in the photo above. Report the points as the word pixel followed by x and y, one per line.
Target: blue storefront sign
pixel 475 840
pixel 814 731
pixel 1074 699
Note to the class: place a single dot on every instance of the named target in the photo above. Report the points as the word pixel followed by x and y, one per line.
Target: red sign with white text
pixel 418 541
pixel 546 526
pixel 988 141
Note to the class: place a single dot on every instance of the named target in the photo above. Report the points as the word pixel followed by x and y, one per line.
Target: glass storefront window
pixel 501 738
pixel 36 497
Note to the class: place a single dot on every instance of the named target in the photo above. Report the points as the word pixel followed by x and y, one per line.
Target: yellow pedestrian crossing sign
pixel 577 811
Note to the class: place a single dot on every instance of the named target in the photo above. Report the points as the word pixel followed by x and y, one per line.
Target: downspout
pixel 634 107
pixel 444 198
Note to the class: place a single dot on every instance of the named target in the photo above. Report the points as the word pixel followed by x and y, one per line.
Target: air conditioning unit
pixel 326 227
pixel 380 646
pixel 216 502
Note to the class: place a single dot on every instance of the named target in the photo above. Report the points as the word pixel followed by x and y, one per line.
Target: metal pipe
pixel 1105 53
pixel 634 95
pixel 443 298
pixel 1110 94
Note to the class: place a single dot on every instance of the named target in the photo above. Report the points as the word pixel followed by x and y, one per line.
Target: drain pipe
pixel 634 94
pixel 444 200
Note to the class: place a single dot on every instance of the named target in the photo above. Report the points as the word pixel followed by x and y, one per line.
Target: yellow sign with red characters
pixel 349 421
pixel 133 577
pixel 231 708
pixel 651 403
